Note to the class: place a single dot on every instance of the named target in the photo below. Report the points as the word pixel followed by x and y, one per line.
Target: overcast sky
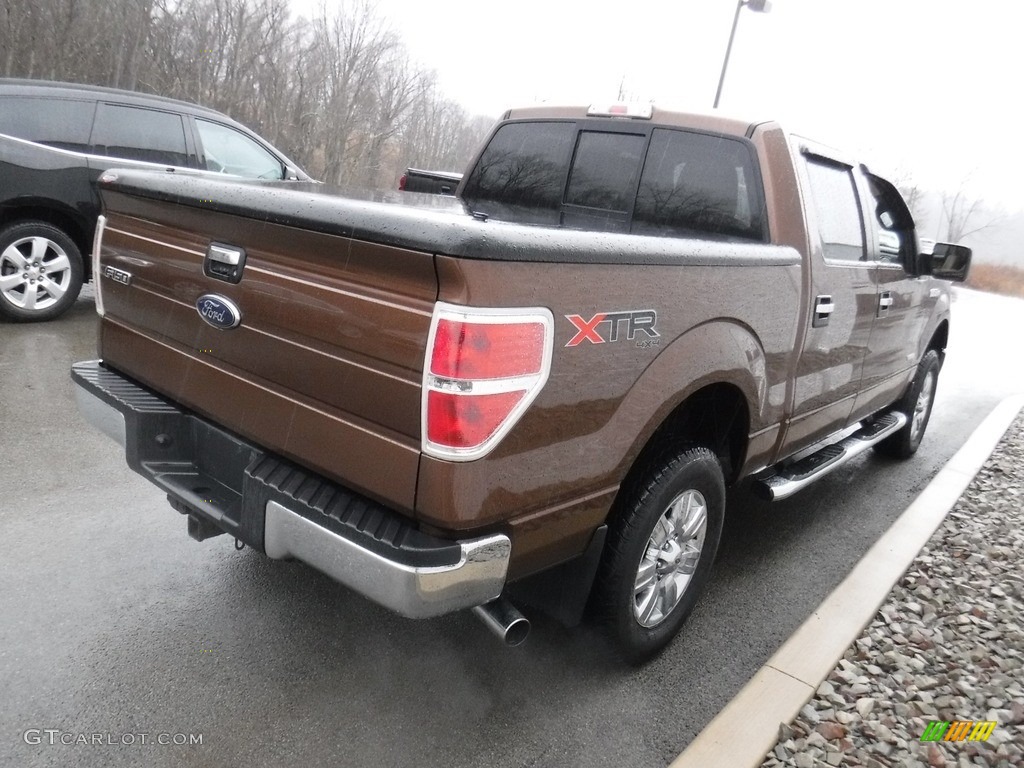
pixel 927 88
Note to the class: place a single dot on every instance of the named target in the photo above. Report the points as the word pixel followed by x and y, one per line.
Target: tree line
pixel 338 93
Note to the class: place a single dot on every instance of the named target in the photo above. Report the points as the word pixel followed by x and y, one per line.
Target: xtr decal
pixel 608 327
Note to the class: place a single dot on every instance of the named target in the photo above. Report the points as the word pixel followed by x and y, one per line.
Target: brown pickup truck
pixel 540 387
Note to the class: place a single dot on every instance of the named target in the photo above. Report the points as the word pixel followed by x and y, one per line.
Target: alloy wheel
pixel 35 273
pixel 670 558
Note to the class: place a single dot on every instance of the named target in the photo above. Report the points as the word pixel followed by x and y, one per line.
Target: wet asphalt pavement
pixel 118 630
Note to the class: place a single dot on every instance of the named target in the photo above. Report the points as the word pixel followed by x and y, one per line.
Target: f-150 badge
pixel 218 311
pixel 117 275
pixel 611 326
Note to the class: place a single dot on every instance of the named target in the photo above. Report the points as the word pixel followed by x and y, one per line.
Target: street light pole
pixel 761 6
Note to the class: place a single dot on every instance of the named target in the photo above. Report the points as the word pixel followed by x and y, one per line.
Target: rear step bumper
pixel 792 478
pixel 226 484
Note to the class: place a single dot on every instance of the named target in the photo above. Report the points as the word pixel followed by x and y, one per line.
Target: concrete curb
pixel 743 732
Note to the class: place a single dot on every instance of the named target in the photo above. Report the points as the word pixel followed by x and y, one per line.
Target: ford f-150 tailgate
pixel 308 344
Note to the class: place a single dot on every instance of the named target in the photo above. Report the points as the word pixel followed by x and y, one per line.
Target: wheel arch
pixel 709 387
pixel 716 416
pixel 63 218
pixel 939 339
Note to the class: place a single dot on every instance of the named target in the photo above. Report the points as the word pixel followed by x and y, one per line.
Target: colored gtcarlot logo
pixel 611 326
pixel 958 730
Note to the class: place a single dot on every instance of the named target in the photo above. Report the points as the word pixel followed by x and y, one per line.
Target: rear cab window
pixel 602 185
pixel 622 177
pixel 135 133
pixel 521 174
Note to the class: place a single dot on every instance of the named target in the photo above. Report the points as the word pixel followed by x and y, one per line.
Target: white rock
pixel 865 705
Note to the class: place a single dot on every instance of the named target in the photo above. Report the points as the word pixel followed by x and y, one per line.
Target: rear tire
pixel 661 545
pixel 41 271
pixel 916 403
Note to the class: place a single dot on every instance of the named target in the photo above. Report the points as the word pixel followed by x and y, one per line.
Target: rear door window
pixel 229 151
pixel 521 174
pixel 134 133
pixel 694 183
pixel 837 209
pixel 61 123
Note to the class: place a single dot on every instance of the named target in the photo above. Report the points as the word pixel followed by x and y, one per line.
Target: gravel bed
pixel 948 644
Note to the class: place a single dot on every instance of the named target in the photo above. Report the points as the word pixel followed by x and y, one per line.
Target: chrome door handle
pixel 224 254
pixel 885 301
pixel 823 309
pixel 224 262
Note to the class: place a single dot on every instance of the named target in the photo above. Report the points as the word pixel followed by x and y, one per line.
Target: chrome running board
pixel 789 479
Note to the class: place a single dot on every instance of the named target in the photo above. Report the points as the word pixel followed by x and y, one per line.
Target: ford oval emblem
pixel 218 311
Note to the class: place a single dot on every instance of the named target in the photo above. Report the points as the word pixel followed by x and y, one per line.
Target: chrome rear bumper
pixel 226 484
pixel 413 591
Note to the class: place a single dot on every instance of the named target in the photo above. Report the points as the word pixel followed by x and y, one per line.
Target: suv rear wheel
pixel 660 549
pixel 41 271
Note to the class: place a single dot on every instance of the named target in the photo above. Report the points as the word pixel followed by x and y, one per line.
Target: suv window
pixel 62 123
pixel 695 183
pixel 521 173
pixel 139 134
pixel 230 151
pixel 838 211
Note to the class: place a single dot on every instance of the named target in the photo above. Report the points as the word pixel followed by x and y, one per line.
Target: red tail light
pixel 483 369
pixel 467 350
pixel 402 182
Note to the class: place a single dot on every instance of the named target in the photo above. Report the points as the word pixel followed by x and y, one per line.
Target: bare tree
pixel 439 134
pixel 353 44
pixel 338 93
pixel 395 87
pixel 914 196
pixel 964 215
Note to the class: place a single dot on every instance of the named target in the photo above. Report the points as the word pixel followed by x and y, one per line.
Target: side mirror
pixel 950 262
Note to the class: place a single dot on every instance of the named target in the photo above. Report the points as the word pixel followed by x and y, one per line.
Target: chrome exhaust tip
pixel 504 620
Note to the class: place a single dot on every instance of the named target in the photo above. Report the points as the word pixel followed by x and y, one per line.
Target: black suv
pixel 55 141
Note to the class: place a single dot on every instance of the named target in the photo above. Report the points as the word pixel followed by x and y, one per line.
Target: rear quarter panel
pixel 551 481
pixel 33 176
